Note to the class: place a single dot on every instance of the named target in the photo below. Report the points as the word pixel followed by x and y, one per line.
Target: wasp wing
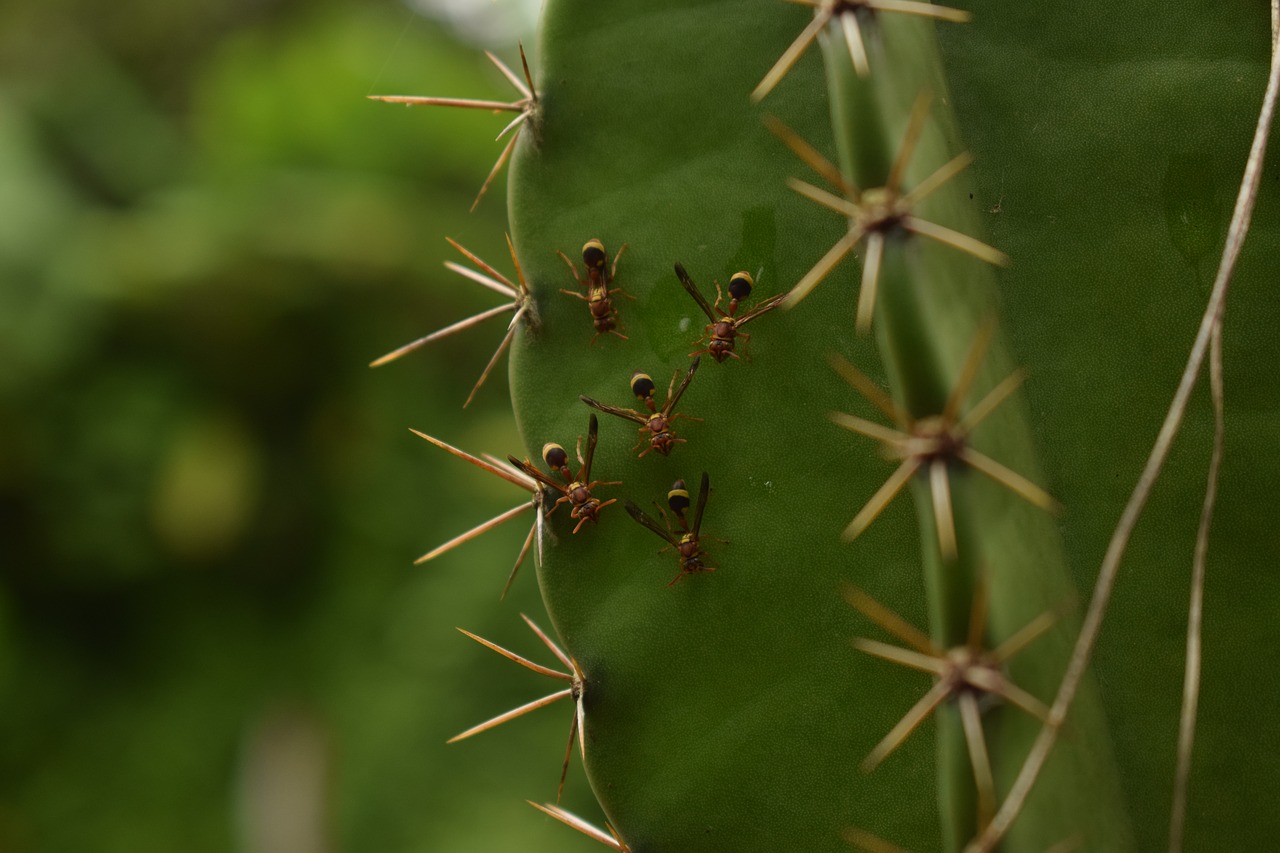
pixel 675 398
pixel 629 414
pixel 593 435
pixel 528 470
pixel 704 492
pixel 695 293
pixel 639 515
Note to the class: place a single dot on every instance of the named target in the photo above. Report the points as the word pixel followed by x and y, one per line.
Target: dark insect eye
pixel 593 254
pixel 740 285
pixel 554 455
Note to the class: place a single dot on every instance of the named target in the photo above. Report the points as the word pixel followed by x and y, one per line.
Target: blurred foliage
pixel 210 627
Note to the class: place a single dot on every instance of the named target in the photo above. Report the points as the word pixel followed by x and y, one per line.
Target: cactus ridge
pixel 846 13
pixel 877 213
pixel 934 443
pixel 963 674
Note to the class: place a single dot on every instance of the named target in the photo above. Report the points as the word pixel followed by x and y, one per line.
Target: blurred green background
pixel 211 633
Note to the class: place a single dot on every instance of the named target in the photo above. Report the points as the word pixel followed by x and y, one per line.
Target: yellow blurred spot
pixel 207 488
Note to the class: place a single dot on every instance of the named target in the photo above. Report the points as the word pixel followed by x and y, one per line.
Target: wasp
pixel 724 325
pixel 688 548
pixel 658 423
pixel 577 493
pixel 599 297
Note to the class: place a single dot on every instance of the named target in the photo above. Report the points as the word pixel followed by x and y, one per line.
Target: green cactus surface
pixel 737 708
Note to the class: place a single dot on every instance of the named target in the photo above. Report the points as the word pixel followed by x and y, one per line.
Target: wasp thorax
pixel 554 455
pixel 593 254
pixel 740 285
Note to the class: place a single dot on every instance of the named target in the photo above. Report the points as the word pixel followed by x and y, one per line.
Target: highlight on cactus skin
pixel 963 674
pixel 521 305
pixel 600 289
pixel 877 212
pixel 934 443
pixel 514 476
pixel 526 106
pixel 573 691
pixel 848 13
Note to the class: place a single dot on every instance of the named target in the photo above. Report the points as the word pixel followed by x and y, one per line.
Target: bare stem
pixel 1195 609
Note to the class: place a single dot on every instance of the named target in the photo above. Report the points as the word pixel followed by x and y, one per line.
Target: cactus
pixel 753 703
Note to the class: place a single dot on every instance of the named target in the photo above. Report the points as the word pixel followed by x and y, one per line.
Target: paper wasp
pixel 724 326
pixel 599 296
pixel 577 493
pixel 657 424
pixel 687 546
pixel 526 105
pixel 521 304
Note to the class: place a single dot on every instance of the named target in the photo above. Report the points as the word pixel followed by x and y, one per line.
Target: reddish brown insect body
pixel 599 296
pixel 583 505
pixel 688 548
pixel 656 426
pixel 725 328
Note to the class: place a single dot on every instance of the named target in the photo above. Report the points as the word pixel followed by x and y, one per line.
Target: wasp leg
pixel 572 268
pixel 613 270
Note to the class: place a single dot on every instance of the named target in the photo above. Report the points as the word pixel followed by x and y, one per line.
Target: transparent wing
pixel 704 492
pixel 629 414
pixel 675 398
pixel 695 293
pixel 639 515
